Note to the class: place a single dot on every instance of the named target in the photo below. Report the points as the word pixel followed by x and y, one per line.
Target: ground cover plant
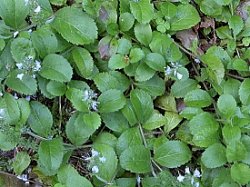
pixel 125 93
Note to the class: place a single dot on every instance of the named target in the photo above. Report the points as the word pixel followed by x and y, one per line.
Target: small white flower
pixel 85 95
pixel 26 2
pixel 179 76
pixel 197 184
pixel 37 9
pixel 197 173
pixel 1 94
pixel 37 65
pixel 192 180
pixel 197 60
pixel 23 177
pixel 19 65
pixel 180 178
pixel 102 159
pixel 27 98
pixel 30 31
pixel 95 169
pixel 34 76
pixel 15 34
pixel 168 70
pixel 187 170
pixel 15 96
pixel 1 113
pixel 138 179
pixel 20 76
pixel 94 153
pixel 94 105
pixel 30 57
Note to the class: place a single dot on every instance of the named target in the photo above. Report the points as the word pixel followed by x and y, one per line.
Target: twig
pixel 235 76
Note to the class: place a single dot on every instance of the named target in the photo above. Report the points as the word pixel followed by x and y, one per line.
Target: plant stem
pixel 146 145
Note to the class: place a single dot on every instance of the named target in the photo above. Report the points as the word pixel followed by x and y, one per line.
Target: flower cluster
pixel 173 70
pixel 192 178
pixel 94 159
pixel 28 66
pixel 90 97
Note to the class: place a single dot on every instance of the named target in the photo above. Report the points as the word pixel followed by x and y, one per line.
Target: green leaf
pixel 56 88
pixel 76 98
pixel 135 55
pixel 14 12
pixel 21 48
pixel 155 121
pixel 227 105
pixel 236 151
pixel 143 72
pixel 129 114
pixel 83 62
pixel 81 126
pixel 211 8
pixel 58 2
pixel 124 46
pixel 160 43
pixel 21 162
pixel 173 119
pixel 168 9
pixel 7 143
pixel 236 24
pixel 115 121
pixel 106 138
pixel 142 10
pixel 27 85
pixel 231 133
pixel 143 33
pixel 182 87
pixel 126 182
pixel 107 168
pixel 117 61
pixel 75 26
pixel 172 154
pixel 68 176
pixel 185 19
pixel 240 173
pixel 223 2
pixel 44 41
pixel 190 112
pixel 42 83
pixel 136 159
pixel 142 104
pixel 11 112
pixel 204 129
pixel 246 142
pixel 40 119
pixel 105 81
pixel 244 92
pixel 50 154
pixel 214 156
pixel 215 70
pixel 224 32
pixel 57 68
pixel 111 101
pixel 155 61
pixel 128 138
pixel 123 80
pixel 24 107
pixel 154 86
pixel 240 65
pixel 126 21
pixel 198 98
